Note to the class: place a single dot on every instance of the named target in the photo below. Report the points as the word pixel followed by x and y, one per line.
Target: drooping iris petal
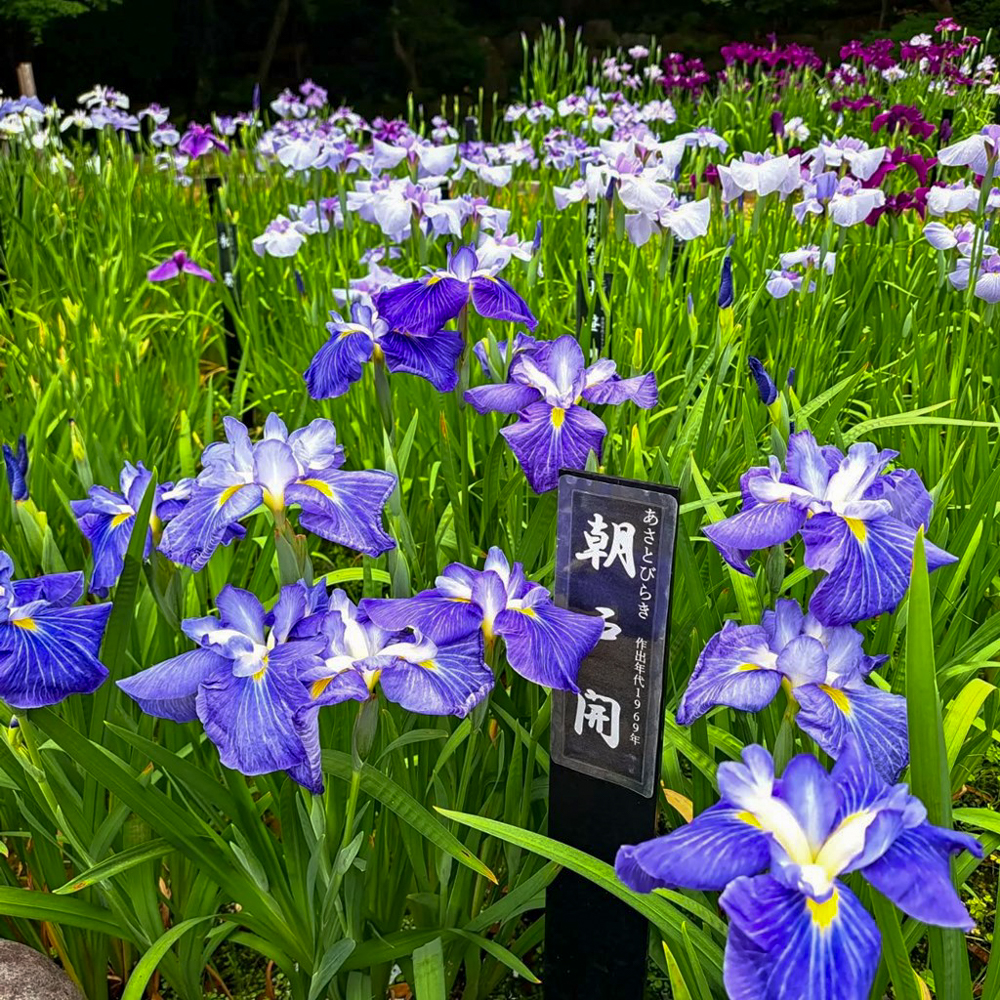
pixel 423 306
pixel 109 536
pixel 250 719
pixel 717 846
pixel 51 653
pixel 868 564
pixel 906 494
pixel 546 643
pixel 763 525
pixel 195 533
pixel 442 618
pixel 640 390
pixel 345 507
pixel 547 438
pixel 877 718
pixel 433 356
pixel 168 689
pixel 452 682
pixel 506 397
pixel 58 589
pixel 338 364
pixel 783 945
pixel 914 873
pixel 169 269
pixel 494 298
pixel 736 668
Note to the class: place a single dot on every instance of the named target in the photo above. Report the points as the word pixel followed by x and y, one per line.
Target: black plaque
pixel 226 238
pixel 614 556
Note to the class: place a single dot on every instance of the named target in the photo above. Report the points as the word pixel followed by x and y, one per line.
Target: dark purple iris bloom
pixel 765 384
pixel 779 848
pixel 200 139
pixel 823 669
pixel 545 644
pixel 726 294
pixel 48 648
pixel 857 524
pixel 545 388
pixel 178 263
pixel 425 305
pixel 340 361
pixel 905 117
pixel 896 158
pixel 242 682
pixel 17 469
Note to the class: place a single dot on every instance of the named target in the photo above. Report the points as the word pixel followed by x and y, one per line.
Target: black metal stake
pixel 226 237
pixel 614 555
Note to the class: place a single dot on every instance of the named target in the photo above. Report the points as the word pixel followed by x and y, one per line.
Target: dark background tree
pixel 202 55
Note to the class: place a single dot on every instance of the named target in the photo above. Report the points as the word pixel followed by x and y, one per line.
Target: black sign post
pixel 226 238
pixel 614 556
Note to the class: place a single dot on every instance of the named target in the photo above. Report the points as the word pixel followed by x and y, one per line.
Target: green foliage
pixel 35 15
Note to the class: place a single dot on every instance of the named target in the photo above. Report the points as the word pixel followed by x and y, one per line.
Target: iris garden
pixel 286 396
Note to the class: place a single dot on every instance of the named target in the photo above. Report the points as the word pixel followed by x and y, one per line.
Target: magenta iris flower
pixel 425 305
pixel 545 388
pixel 545 643
pixel 779 847
pixel 48 648
pixel 857 523
pixel 176 264
pixel 824 670
pixel 199 140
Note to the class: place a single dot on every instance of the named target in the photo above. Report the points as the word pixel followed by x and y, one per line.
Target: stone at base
pixel 26 974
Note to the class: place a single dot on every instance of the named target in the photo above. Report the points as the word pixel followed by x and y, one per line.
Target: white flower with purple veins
pixel 154 112
pixel 704 137
pixel 795 128
pixel 571 105
pixel 946 200
pixel 853 203
pixel 760 174
pixel 860 159
pixel 687 220
pixel 987 285
pixel 964 238
pixel 282 238
pixel 652 72
pixel 638 52
pixel 515 112
pixel 977 151
pixel 106 97
pixel 165 136
pixel 496 175
pixel 496 250
pixel 893 74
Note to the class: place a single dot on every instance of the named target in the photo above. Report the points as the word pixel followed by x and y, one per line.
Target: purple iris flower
pixel 281 470
pixel 545 388
pixel 200 139
pixel 857 524
pixel 522 342
pixel 242 682
pixel 17 469
pixel 424 306
pixel 176 264
pixel 446 678
pixel 340 361
pixel 765 384
pixel 824 671
pixel 987 285
pixel 726 294
pixel 779 846
pixel 48 648
pixel 106 518
pixel 545 644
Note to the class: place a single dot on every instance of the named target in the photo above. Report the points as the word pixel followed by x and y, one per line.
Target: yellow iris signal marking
pixel 558 416
pixel 838 698
pixel 823 914
pixel 229 492
pixel 28 624
pixel 318 484
pixel 119 519
pixel 857 527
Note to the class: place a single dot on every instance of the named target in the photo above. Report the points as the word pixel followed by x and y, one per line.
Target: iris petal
pixel 546 644
pixel 868 563
pixel 423 306
pixel 453 682
pixel 494 298
pixel 875 717
pixel 433 357
pixel 717 846
pixel 442 619
pixel 52 654
pixel 546 439
pixel 785 946
pixel 168 689
pixel 338 364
